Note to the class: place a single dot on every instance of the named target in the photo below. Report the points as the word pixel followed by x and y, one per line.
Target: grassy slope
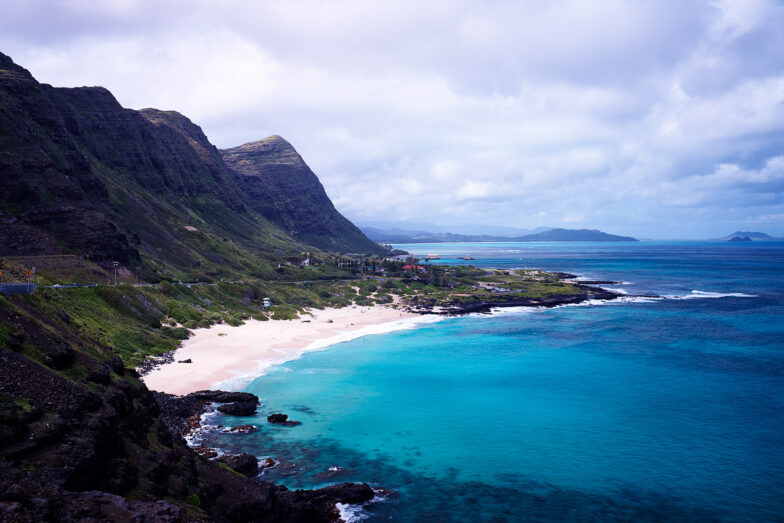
pixel 138 322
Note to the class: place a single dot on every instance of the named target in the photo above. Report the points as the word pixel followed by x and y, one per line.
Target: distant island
pixel 748 236
pixel 550 235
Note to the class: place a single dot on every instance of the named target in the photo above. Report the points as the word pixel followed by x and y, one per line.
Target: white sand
pixel 230 356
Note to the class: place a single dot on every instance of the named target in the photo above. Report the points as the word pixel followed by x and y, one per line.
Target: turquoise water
pixel 638 410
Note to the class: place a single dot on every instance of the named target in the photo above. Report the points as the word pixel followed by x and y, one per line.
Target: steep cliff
pixel 282 188
pixel 82 439
pixel 83 175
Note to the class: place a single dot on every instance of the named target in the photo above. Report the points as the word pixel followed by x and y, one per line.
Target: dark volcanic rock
pixel 277 418
pixel 332 473
pixel 59 357
pixel 243 429
pixel 246 464
pixel 282 419
pixel 239 408
pixel 176 411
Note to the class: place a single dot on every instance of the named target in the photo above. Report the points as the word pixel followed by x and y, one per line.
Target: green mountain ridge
pixel 282 187
pixel 83 175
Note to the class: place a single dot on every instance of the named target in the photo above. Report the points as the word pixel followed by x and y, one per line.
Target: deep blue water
pixel 656 410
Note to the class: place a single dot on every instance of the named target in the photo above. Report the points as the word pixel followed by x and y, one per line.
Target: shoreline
pixel 224 357
pixel 227 358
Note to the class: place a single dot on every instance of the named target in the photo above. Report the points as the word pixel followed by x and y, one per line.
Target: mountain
pixel 739 239
pixel 282 188
pixel 753 236
pixel 83 175
pixel 465 229
pixel 574 235
pixel 558 235
pixel 405 236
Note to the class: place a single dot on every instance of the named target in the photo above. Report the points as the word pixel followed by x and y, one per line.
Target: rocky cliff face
pixel 83 175
pixel 282 188
pixel 82 439
pixel 50 192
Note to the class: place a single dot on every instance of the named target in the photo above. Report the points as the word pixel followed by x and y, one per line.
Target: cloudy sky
pixel 661 119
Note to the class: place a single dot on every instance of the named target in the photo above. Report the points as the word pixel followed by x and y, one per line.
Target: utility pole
pixel 115 264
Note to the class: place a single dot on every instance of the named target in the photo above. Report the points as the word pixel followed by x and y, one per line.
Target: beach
pixel 226 356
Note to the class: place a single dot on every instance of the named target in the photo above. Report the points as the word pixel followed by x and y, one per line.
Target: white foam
pixel 351 513
pixel 616 301
pixel 617 291
pixel 193 438
pixel 707 294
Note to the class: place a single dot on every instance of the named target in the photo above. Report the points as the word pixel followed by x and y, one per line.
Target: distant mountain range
pixel 462 229
pixel 748 236
pixel 396 235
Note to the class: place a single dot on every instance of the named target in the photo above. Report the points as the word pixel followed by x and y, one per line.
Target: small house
pixel 267 302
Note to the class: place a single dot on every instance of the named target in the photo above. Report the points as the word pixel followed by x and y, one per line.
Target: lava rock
pixel 59 358
pixel 246 464
pixel 239 408
pixel 277 418
pixel 282 419
pixel 205 452
pixel 117 365
pixel 243 429
pixel 99 374
pixel 353 493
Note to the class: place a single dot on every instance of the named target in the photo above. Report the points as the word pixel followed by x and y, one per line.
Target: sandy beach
pixel 224 356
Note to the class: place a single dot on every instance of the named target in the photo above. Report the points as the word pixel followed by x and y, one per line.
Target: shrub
pixel 178 333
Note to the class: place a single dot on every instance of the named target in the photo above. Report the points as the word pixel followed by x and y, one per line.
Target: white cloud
pixel 640 118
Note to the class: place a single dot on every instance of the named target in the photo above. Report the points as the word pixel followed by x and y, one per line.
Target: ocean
pixel 639 409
